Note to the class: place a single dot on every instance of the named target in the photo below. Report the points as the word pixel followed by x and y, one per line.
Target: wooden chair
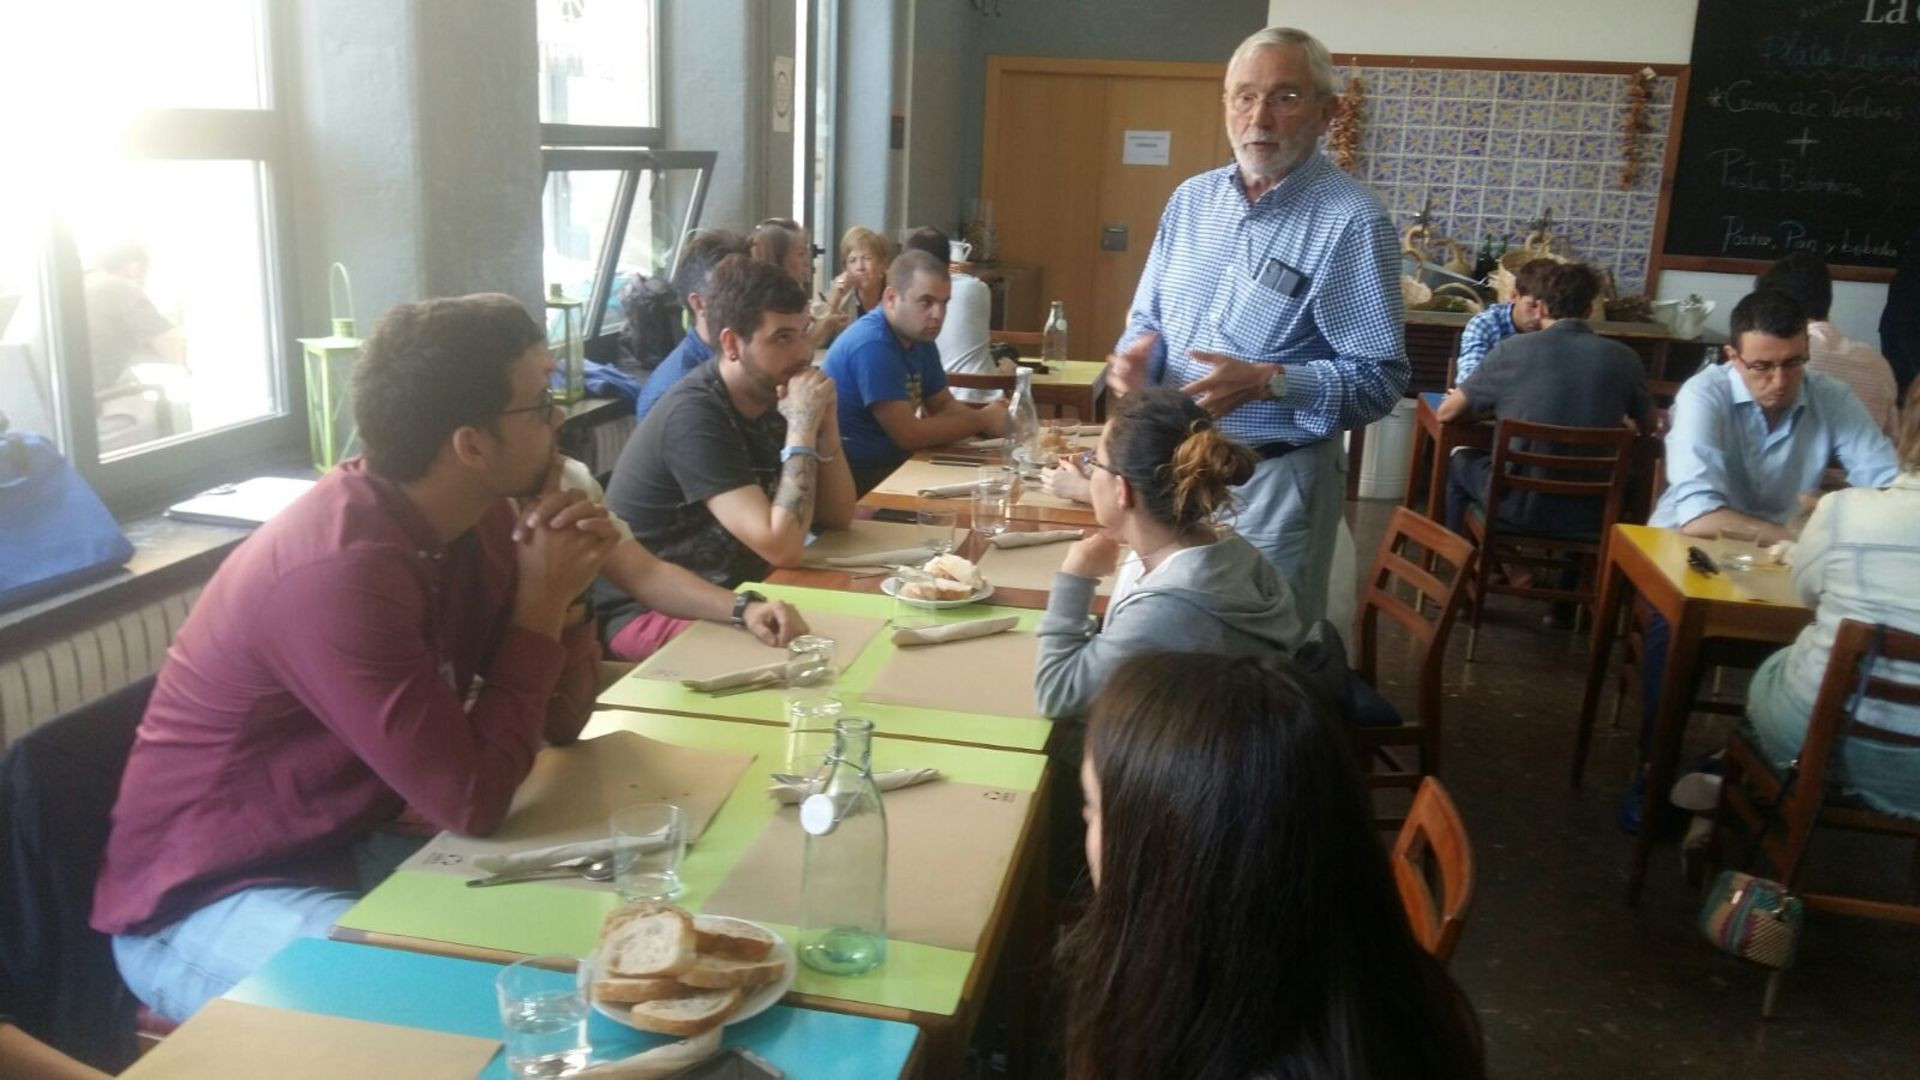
pixel 1434 835
pixel 1022 339
pixel 1751 796
pixel 970 380
pixel 1601 476
pixel 1427 616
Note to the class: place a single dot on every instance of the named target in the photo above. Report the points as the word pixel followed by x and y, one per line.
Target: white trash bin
pixel 1383 471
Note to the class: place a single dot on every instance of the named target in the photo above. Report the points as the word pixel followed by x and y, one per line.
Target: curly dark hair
pixel 1567 289
pixel 430 368
pixel 741 289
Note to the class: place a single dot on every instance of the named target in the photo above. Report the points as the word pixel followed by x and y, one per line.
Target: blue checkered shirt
pixel 1483 332
pixel 1341 336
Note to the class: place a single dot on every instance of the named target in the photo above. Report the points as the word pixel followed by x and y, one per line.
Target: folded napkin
pixel 732 679
pixel 658 1063
pixel 792 794
pixel 960 631
pixel 542 858
pixel 948 491
pixel 883 558
pixel 1035 538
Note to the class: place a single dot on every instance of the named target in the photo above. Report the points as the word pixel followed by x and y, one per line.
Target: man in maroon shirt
pixel 385 643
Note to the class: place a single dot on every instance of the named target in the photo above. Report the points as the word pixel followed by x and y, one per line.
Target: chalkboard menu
pixel 1801 131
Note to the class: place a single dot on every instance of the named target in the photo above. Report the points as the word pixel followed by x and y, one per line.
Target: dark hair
pixel 930 240
pixel 1803 276
pixel 1769 311
pixel 430 368
pixel 1174 457
pixel 1567 289
pixel 699 255
pixel 1246 922
pixel 740 290
pixel 773 238
pixel 911 263
pixel 1528 280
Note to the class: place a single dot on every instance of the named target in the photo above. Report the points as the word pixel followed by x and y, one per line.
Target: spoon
pixel 597 870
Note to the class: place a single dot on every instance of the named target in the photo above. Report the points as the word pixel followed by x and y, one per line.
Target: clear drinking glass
pixel 812 702
pixel 992 497
pixel 543 1014
pixel 1739 548
pixel 936 518
pixel 648 842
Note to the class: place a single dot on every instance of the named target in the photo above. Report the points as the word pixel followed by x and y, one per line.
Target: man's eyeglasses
pixel 1766 367
pixel 1086 463
pixel 1281 101
pixel 544 406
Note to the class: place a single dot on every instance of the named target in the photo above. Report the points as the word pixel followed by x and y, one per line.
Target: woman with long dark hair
pixel 1244 921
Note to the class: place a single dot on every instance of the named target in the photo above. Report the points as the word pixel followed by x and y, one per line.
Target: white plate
pixel 753 1005
pixel 891 586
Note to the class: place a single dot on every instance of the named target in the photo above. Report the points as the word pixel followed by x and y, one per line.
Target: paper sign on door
pixel 1147 148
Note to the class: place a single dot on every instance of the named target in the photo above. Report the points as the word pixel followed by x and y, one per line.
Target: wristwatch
pixel 1277 384
pixel 740 604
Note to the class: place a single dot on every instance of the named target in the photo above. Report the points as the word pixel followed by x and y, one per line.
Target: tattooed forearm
pixel 799 480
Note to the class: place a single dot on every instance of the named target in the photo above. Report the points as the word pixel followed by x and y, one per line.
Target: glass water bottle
pixel 1053 336
pixel 843 881
pixel 1023 422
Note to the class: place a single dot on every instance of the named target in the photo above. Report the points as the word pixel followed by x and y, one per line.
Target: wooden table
pixel 1080 385
pixel 897 495
pixel 1752 606
pixel 974 547
pixel 438 993
pixel 1441 439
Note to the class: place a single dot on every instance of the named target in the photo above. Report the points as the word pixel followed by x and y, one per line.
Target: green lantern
pixel 332 434
pixel 566 336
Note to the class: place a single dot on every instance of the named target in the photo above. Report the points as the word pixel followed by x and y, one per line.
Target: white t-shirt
pixel 963 337
pixel 1131 576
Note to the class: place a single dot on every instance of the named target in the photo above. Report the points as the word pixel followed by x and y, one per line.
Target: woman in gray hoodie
pixel 1161 473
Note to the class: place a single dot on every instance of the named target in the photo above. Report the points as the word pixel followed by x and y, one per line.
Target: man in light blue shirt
pixel 1272 295
pixel 1751 435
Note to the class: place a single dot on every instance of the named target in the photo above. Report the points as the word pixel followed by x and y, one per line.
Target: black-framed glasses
pixel 1086 463
pixel 544 405
pixel 1768 367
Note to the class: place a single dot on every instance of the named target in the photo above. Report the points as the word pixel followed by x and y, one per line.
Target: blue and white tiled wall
pixel 1495 148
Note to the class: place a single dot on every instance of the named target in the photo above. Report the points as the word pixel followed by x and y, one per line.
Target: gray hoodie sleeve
pixel 1074 662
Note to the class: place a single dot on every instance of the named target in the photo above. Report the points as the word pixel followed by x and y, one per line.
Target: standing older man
pixel 1271 294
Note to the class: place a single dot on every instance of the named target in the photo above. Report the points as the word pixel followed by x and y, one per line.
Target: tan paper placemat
pixel 948 846
pixel 867 536
pixel 707 649
pixel 1030 567
pixel 231 1038
pixel 908 479
pixel 1032 494
pixel 992 675
pixel 572 790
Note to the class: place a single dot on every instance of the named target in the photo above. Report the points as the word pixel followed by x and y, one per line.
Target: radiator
pixel 64 674
pixel 608 440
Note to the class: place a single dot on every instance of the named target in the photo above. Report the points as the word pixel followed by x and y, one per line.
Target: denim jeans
pixel 178 968
pixel 1290 511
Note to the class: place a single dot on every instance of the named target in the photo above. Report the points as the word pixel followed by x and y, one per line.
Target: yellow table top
pixel 1070 373
pixel 1667 549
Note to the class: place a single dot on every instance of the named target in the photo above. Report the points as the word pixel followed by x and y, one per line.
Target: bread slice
pixel 651 941
pixel 718 972
pixel 634 991
pixel 730 939
pixel 695 1014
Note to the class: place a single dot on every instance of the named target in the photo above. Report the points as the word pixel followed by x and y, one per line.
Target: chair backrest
pixel 58 784
pixel 1434 831
pixel 1025 339
pixel 1600 474
pixel 967 380
pixel 1429 616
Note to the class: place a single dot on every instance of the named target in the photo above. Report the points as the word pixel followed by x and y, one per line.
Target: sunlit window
pixel 596 62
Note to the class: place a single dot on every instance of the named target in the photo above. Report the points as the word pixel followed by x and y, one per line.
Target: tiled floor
pixel 1569 980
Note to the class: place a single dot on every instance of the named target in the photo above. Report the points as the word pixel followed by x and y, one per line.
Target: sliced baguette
pixel 696 1014
pixel 634 991
pixel 656 940
pixel 730 939
pixel 718 972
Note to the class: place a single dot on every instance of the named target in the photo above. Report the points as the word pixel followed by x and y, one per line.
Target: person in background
pixel 1244 920
pixel 123 326
pixel 1161 473
pixel 1272 295
pixel 963 335
pixel 739 461
pixel 865 256
pixel 1858 558
pixel 383 644
pixel 1900 319
pixel 701 253
pixel 893 395
pixel 1804 276
pixel 1751 435
pixel 1521 315
pixel 1566 375
pixel 785 244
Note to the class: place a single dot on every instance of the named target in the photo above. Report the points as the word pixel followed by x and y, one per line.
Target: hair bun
pixel 1205 466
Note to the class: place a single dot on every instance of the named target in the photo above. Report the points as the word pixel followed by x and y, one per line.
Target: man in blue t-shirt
pixel 893 394
pixel 703 252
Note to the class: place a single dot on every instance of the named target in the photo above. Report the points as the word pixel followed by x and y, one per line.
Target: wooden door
pixel 1052 165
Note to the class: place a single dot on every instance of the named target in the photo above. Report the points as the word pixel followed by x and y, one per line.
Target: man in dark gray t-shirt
pixel 1566 375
